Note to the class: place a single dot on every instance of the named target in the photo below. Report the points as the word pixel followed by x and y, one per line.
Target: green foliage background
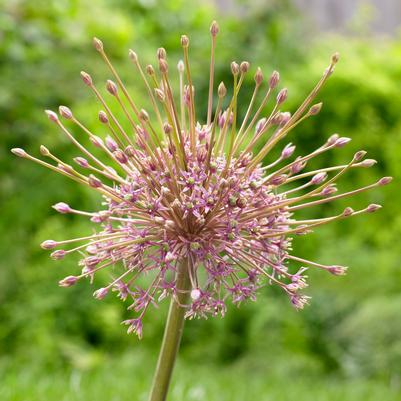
pixel 58 344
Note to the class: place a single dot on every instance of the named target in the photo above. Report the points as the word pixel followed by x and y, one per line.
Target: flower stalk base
pixel 172 336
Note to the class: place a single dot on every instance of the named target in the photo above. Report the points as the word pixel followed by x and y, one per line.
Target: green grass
pixel 128 378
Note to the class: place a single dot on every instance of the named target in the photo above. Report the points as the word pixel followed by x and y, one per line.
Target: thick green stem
pixel 172 336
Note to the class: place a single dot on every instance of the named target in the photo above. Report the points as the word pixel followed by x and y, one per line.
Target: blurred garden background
pixel 61 344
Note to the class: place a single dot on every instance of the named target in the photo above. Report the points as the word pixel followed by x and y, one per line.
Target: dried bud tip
pixel 98 44
pixel 132 55
pixel 65 112
pixel 234 68
pixel 214 28
pixel 335 57
pixel 51 115
pixel 49 244
pixel 385 180
pixel 184 41
pixel 62 207
pixel 44 151
pixel 111 87
pixel 222 91
pixel 19 152
pixel 274 79
pixel 373 207
pixel 86 78
pixel 244 67
pixel 315 109
pixel 258 76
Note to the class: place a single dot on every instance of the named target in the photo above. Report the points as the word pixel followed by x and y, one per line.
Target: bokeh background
pixel 61 344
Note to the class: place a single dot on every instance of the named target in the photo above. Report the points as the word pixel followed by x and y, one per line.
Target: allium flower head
pixel 186 195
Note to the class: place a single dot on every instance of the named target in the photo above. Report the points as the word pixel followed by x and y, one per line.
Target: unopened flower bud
pixel 58 255
pixel 96 141
pixel 234 68
pixel 19 152
pixel 315 109
pixel 98 44
pixel 44 151
pixel 163 66
pixel 244 67
pixel 68 281
pixel 348 211
pixel 373 208
pixel 318 178
pixel 161 53
pixel 359 155
pixel 81 162
pixel 368 163
pixel 221 90
pixel 184 41
pixel 120 156
pixel 48 244
pixel 287 151
pixel 65 112
pixel 329 190
pixel 214 28
pixel 111 87
pixel 100 293
pixel 51 115
pixel 62 207
pixel 335 57
pixel 274 79
pixel 133 56
pixel 86 78
pixel 333 139
pixel 103 117
pixel 143 115
pixel 282 96
pixel 160 94
pixel 167 128
pixel 94 181
pixel 258 76
pixel 338 270
pixel 111 143
pixel 150 70
pixel 385 180
pixel 342 142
